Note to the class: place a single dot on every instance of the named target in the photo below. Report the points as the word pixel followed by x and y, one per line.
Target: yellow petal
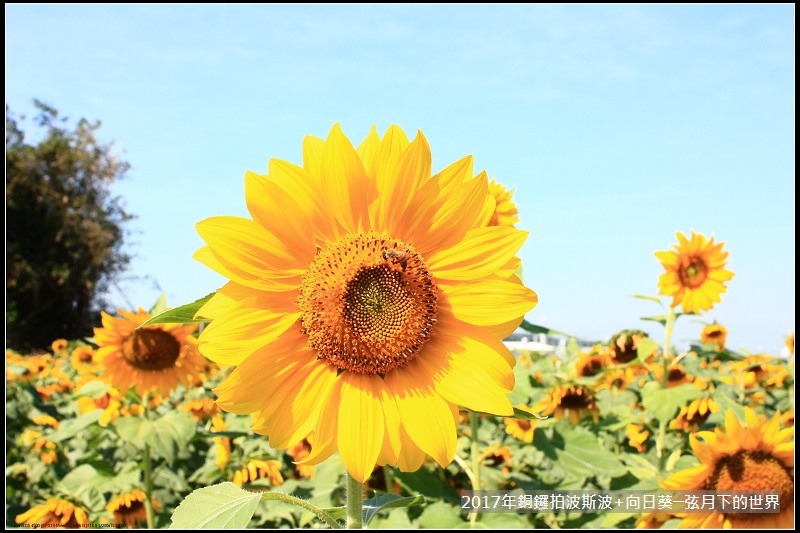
pixel 482 252
pixel 324 443
pixel 348 190
pixel 361 425
pixel 488 302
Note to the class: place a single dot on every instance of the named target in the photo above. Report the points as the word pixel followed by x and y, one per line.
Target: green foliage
pixel 216 507
pixel 64 231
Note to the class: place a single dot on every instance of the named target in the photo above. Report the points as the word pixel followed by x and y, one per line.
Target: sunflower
pixel 694 415
pixel 259 469
pixel 652 520
pixel 82 359
pixel 695 272
pixel 154 358
pixel 637 436
pixel 519 428
pixel 756 456
pixel 588 366
pixel 790 343
pixel 46 449
pixel 222 445
pixel 201 409
pixel 715 334
pixel 367 301
pixel 59 346
pixel 129 508
pixel 624 346
pixel 298 452
pixel 54 512
pixel 676 375
pixel 505 211
pixel 573 400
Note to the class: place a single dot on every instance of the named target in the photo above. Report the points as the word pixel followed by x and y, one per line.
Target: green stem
pixel 148 488
pixel 474 422
pixel 148 470
pixel 322 515
pixel 388 479
pixel 662 426
pixel 354 494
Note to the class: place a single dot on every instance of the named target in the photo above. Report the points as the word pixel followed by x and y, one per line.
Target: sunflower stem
pixel 388 479
pixel 322 515
pixel 662 426
pixel 474 422
pixel 148 471
pixel 148 488
pixel 354 495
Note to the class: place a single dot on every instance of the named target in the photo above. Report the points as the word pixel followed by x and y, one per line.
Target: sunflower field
pixel 352 373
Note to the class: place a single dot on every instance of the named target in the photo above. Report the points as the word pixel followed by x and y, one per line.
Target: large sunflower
pixel 367 301
pixel 154 358
pixel 757 456
pixel 695 272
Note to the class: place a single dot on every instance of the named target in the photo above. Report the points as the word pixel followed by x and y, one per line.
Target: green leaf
pixel 134 430
pixel 424 482
pixel 665 403
pixel 170 433
pixel 646 348
pixel 579 453
pixel 381 502
pixel 661 319
pixel 650 298
pixel 533 328
pixel 94 389
pixel 183 314
pixel 69 428
pixel 440 515
pixel 525 415
pixel 160 305
pixel 216 507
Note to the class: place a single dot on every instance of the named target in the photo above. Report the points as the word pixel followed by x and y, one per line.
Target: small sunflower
pixel 695 273
pixel 756 456
pixel 587 366
pixel 222 445
pixel 790 343
pixel 652 520
pixel 201 409
pixel 573 400
pixel 298 453
pixel 367 301
pixel 519 428
pixel 53 513
pixel 715 334
pixel 47 450
pixel 624 346
pixel 694 415
pixel 82 359
pixel 637 436
pixel 129 508
pixel 59 346
pixel 259 469
pixel 505 210
pixel 676 374
pixel 154 358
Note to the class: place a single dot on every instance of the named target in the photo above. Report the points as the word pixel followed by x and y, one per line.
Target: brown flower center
pixel 136 507
pixel 753 470
pixel 694 274
pixel 577 398
pixel 369 303
pixel 591 367
pixel 151 349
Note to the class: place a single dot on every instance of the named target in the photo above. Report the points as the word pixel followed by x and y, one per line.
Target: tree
pixel 64 231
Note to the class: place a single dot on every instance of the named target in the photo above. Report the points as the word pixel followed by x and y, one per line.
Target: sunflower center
pixel 368 303
pixel 151 349
pixel 753 470
pixel 576 399
pixel 135 508
pixel 694 274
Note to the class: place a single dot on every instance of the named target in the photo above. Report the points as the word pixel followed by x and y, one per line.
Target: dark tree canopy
pixel 64 231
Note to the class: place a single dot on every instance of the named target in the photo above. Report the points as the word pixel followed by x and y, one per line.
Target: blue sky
pixel 615 125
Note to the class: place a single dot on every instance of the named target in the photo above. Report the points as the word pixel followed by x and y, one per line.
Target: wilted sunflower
pixel 715 334
pixel 259 469
pixel 757 456
pixel 521 428
pixel 695 272
pixel 694 415
pixel 505 210
pixel 367 301
pixel 573 400
pixel 54 512
pixel 154 358
pixel 129 508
